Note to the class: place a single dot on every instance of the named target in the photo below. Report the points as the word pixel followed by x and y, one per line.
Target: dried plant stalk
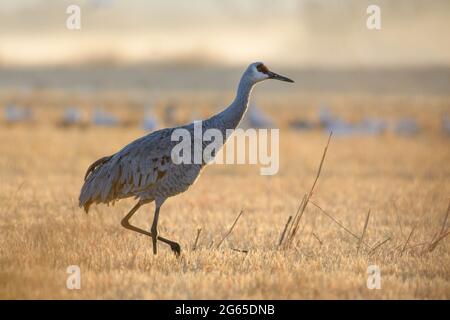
pixel 364 232
pixel 231 229
pixel 379 245
pixel 334 220
pixel 317 238
pixel 293 229
pixel 284 231
pixel 199 230
pixel 441 234
pixel 407 241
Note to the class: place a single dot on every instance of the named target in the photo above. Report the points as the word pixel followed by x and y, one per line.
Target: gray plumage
pixel 144 169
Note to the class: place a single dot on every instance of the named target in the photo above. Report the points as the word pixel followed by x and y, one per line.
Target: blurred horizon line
pixel 113 61
pixel 157 77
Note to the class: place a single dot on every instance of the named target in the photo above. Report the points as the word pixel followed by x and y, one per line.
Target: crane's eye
pixel 262 68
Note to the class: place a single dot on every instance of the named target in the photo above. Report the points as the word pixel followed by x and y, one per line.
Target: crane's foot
pixel 176 248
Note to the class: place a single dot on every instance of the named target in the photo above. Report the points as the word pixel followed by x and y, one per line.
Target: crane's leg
pixel 126 224
pixel 154 229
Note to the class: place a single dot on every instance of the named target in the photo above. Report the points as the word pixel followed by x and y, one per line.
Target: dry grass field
pixel 404 181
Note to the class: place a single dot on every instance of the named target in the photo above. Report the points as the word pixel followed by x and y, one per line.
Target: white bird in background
pixel 325 116
pixel 169 114
pixel 407 127
pixel 301 124
pixel 15 114
pixel 144 168
pixel 103 118
pixel 257 119
pixel 371 126
pixel 72 116
pixel 333 124
pixel 149 123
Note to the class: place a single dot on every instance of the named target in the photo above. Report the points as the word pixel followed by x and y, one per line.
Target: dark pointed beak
pixel 273 75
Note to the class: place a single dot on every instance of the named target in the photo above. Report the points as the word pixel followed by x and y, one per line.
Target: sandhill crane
pixel 301 124
pixel 149 123
pixel 72 116
pixel 332 124
pixel 258 119
pixel 15 114
pixel 368 126
pixel 103 118
pixel 371 126
pixel 407 127
pixel 170 114
pixel 144 169
pixel 326 118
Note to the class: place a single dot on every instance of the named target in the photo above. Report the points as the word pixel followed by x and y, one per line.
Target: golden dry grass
pixel 403 181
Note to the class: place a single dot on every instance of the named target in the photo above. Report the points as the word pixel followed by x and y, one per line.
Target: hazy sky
pixel 306 33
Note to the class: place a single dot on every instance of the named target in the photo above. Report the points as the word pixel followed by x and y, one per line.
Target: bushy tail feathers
pixel 86 199
pixel 96 164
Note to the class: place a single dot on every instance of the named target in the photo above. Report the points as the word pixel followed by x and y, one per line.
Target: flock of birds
pixel 256 118
pixel 368 126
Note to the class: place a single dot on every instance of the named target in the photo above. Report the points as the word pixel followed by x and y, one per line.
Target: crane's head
pixel 258 72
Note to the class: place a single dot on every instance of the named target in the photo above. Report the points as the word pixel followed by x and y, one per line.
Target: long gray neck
pixel 231 116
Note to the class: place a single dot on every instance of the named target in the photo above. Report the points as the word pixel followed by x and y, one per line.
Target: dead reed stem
pixel 231 229
pixel 317 238
pixel 284 231
pixel 199 230
pixel 320 166
pixel 435 243
pixel 293 229
pixel 364 232
pixel 296 221
pixel 444 223
pixel 407 241
pixel 336 221
pixel 379 245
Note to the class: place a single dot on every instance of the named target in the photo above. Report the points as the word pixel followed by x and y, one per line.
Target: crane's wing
pixel 135 168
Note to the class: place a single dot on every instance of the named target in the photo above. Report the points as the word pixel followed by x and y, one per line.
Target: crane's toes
pixel 176 248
